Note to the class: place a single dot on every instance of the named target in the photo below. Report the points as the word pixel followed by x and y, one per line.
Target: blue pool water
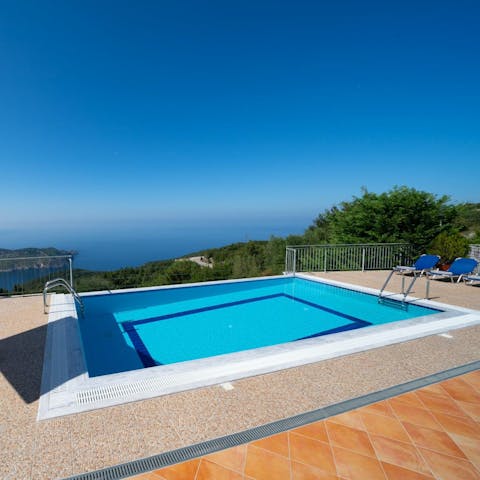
pixel 129 331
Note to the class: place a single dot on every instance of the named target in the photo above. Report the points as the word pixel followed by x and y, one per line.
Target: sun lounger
pixel 459 268
pixel 471 279
pixel 422 265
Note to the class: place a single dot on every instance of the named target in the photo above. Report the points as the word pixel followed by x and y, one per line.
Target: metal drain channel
pixel 210 446
pixel 93 395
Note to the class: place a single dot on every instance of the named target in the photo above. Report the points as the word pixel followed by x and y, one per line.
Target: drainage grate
pixel 124 390
pixel 187 453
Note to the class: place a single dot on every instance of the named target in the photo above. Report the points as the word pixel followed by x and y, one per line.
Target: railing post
pixel 325 260
pixel 363 259
pixel 71 271
pixel 294 269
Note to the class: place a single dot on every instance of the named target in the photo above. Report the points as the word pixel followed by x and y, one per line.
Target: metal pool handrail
pixel 60 282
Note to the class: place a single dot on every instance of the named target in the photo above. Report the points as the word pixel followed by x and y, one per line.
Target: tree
pixel 275 256
pixel 321 230
pixel 400 215
pixel 449 246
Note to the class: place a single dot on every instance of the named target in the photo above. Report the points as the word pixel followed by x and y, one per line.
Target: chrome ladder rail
pixel 60 282
pixel 402 303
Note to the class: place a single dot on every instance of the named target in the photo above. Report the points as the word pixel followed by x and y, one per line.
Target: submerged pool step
pixel 391 302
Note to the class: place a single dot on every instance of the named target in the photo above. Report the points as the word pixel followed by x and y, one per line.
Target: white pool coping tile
pixel 68 389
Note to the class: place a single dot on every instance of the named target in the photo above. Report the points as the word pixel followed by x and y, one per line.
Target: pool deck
pixel 65 446
pixel 427 434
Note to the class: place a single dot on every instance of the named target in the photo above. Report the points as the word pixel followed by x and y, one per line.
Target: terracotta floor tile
pixel 231 458
pixel 449 468
pixel 471 409
pixel 212 471
pixel 350 419
pixel 419 416
pixel 433 439
pixel 470 447
pixel 311 452
pixel 300 471
pixel 440 403
pixel 399 453
pixel 276 444
pixel 434 388
pixel 185 470
pixel 458 389
pixel 473 379
pixel 314 430
pixel 147 476
pixel 386 426
pixel 410 398
pixel 264 465
pixel 350 438
pixel 353 466
pixel 379 408
pixel 459 425
pixel 394 472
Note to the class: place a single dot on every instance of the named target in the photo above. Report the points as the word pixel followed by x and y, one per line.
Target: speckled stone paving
pixel 84 442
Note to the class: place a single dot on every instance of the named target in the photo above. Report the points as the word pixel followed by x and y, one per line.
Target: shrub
pixel 449 246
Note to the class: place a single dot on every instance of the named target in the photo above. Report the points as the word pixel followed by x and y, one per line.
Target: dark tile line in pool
pixel 204 309
pixel 149 361
pixel 329 310
pixel 353 290
pixel 141 349
pixel 242 302
pixel 344 328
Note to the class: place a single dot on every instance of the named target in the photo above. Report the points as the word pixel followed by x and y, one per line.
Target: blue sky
pixel 115 112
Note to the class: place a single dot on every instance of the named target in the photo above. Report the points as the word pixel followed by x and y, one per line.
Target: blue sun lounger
pixel 422 265
pixel 471 279
pixel 459 268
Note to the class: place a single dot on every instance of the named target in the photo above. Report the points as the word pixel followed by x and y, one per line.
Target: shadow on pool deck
pixel 22 357
pixel 21 361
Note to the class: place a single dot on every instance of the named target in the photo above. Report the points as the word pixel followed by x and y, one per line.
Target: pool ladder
pixel 391 302
pixel 61 282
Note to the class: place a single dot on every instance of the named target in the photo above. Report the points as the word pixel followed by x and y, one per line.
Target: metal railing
pixel 367 256
pixel 61 282
pixel 23 275
pixel 475 254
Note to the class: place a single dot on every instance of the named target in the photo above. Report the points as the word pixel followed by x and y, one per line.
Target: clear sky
pixel 112 111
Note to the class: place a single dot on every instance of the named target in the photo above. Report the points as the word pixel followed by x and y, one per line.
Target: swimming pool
pixel 190 335
pixel 130 331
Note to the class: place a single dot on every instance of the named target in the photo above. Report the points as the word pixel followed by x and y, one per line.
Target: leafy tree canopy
pixel 449 246
pixel 400 215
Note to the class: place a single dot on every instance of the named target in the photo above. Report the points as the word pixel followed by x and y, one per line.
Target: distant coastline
pixel 32 252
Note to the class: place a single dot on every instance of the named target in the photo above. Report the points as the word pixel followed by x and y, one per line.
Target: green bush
pixel 449 246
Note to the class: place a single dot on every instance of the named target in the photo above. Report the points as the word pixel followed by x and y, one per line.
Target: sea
pixel 111 248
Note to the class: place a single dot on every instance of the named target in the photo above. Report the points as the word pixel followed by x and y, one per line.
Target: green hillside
pixel 400 215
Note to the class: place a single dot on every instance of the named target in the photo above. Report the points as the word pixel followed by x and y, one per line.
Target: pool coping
pixel 67 388
pixel 183 454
